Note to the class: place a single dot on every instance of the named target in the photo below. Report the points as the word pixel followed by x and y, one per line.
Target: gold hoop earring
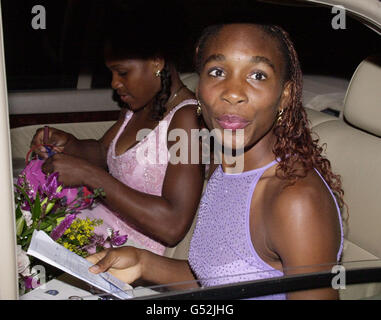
pixel 199 110
pixel 279 116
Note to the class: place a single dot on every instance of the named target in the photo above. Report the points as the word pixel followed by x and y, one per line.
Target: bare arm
pixel 169 216
pixel 130 264
pixel 305 234
pixel 166 217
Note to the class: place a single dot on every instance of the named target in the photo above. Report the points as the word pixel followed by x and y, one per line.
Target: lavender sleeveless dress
pixel 142 168
pixel 221 250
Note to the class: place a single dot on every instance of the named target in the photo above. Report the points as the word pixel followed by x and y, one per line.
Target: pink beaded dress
pixel 142 168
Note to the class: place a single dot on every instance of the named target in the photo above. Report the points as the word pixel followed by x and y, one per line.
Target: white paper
pixel 46 249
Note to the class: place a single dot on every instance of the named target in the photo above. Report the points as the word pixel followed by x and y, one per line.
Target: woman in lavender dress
pixel 280 213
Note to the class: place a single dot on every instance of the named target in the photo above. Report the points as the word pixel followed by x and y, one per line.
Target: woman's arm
pixel 305 234
pixel 130 264
pixel 167 217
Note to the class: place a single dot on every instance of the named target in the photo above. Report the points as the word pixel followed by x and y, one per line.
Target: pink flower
pixel 23 262
pixel 31 283
pixel 28 217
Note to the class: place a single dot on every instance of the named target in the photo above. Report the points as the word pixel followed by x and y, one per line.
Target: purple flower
pixel 31 283
pixel 25 206
pixel 96 241
pixel 50 187
pixel 32 177
pixel 117 240
pixel 62 227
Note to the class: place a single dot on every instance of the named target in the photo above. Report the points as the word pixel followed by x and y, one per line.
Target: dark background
pixel 52 58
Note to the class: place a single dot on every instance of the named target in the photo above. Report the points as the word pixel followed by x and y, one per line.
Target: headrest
pixel 190 80
pixel 362 104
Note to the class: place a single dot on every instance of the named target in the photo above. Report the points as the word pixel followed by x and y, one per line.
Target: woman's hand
pixel 124 263
pixel 72 171
pixel 50 136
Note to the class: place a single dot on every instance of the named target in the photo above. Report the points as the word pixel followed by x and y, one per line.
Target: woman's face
pixel 241 83
pixel 134 80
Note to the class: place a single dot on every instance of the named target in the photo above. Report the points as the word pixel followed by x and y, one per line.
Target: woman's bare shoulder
pixel 303 211
pixel 186 118
pixel 308 194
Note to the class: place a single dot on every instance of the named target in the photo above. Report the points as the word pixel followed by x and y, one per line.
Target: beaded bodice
pixel 221 249
pixel 143 166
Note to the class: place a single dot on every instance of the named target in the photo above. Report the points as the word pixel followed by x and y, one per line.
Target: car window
pixel 67 53
pixel 357 280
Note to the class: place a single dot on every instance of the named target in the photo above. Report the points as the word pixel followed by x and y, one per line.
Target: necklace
pixel 176 93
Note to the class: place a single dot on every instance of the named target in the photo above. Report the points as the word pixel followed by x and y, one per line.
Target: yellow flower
pixel 79 235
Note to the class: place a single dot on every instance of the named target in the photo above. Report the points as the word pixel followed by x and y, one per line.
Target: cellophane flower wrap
pixel 42 203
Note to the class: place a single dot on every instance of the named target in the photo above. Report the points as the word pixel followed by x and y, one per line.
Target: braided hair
pixel 294 142
pixel 163 95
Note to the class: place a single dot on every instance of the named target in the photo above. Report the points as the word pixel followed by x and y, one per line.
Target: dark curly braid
pixel 294 138
pixel 294 142
pixel 163 95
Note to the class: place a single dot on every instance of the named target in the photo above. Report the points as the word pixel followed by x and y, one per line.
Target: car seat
pixel 354 149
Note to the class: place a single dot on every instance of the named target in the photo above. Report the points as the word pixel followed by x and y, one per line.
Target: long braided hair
pixel 163 95
pixel 294 142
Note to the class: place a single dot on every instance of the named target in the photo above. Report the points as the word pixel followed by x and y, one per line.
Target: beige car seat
pixel 354 149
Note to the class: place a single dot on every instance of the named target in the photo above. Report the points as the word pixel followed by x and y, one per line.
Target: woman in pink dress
pixel 148 198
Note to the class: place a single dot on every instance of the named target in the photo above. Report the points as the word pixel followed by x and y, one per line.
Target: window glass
pixel 70 47
pixel 353 280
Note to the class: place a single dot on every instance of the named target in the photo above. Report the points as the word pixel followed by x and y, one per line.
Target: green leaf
pixel 60 219
pixel 50 206
pixel 36 210
pixel 24 243
pixel 99 192
pixel 27 243
pixel 44 225
pixel 20 223
pixel 18 212
pixel 27 232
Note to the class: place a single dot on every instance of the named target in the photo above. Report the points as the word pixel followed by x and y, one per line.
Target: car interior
pixel 344 113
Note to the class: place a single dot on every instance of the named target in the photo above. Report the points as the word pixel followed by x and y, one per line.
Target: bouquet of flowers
pixel 42 203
